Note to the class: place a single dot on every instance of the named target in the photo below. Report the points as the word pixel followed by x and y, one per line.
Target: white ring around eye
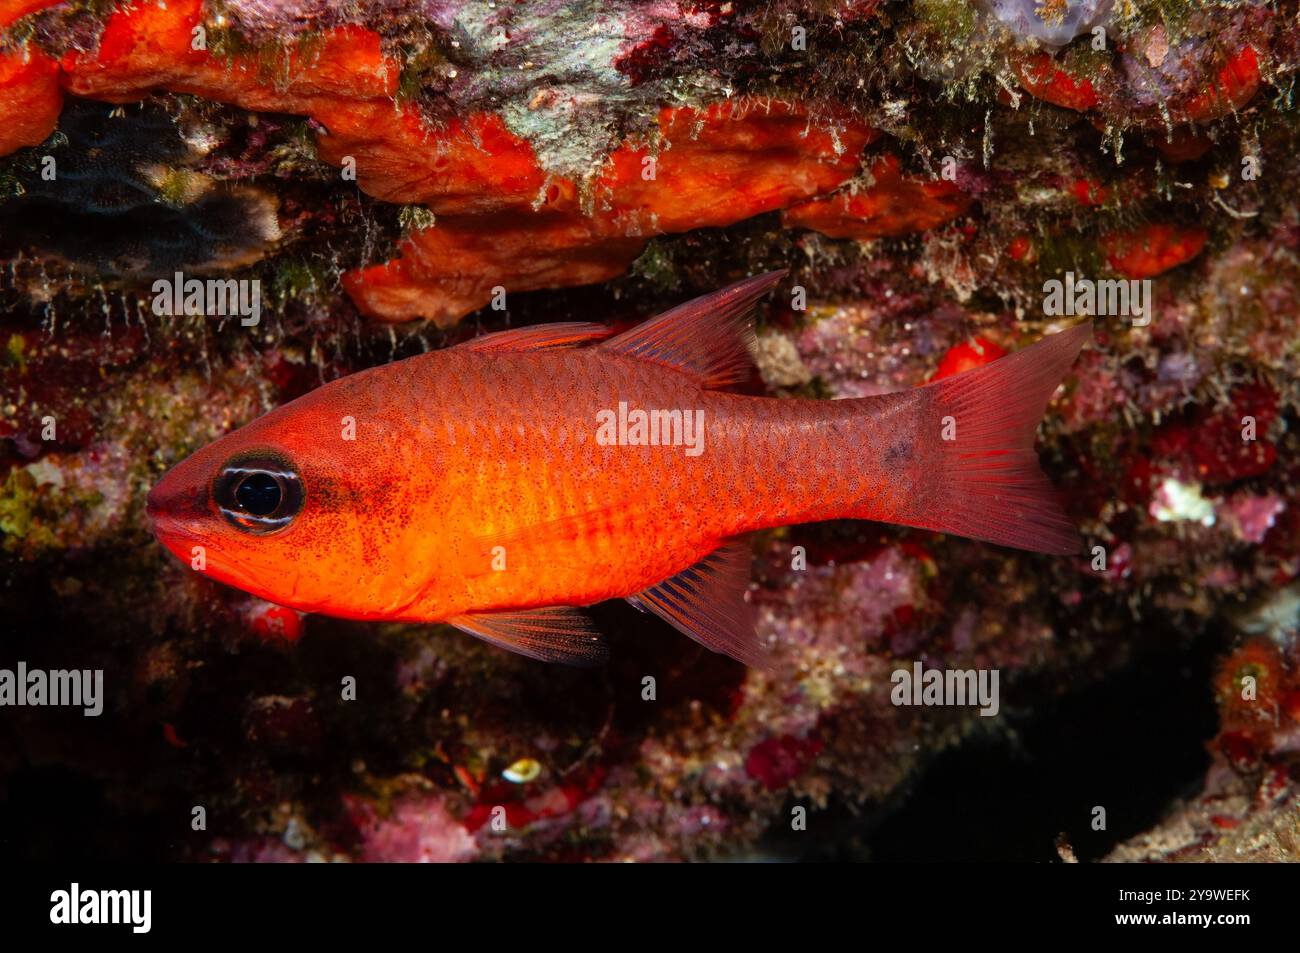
pixel 243 516
pixel 246 471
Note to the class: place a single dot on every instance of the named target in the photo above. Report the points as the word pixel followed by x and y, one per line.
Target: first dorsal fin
pixel 540 337
pixel 707 602
pixel 709 337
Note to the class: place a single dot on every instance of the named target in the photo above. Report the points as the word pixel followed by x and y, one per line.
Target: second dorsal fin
pixel 709 337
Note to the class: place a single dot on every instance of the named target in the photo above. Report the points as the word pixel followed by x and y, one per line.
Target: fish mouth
pixel 183 541
pixel 178 518
pixel 173 520
pixel 167 530
pixel 176 536
pixel 161 521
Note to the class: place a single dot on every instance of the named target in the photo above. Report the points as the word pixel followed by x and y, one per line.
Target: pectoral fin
pixel 707 603
pixel 551 634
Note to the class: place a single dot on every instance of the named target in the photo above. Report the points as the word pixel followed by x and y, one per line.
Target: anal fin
pixel 707 603
pixel 550 634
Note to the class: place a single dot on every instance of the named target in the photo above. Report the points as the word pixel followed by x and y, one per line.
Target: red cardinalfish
pixel 500 484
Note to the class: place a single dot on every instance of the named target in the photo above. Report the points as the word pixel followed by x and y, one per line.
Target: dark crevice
pixel 1132 743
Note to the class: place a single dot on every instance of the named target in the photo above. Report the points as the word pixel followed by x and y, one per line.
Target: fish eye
pixel 258 494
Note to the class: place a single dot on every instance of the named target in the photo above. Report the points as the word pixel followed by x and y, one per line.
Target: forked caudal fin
pixel 986 483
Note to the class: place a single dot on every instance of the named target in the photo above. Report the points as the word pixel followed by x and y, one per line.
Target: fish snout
pixel 153 504
pixel 175 502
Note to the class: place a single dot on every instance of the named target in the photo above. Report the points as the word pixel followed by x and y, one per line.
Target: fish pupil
pixel 259 494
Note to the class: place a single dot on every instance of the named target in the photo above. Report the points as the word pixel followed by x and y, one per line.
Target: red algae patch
pixel 892 205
